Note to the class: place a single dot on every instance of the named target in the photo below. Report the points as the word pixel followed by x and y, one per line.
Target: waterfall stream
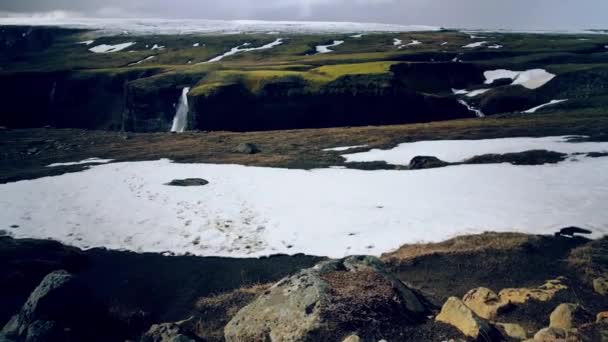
pixel 180 121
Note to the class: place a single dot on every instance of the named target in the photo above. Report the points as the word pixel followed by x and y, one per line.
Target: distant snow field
pixel 104 48
pixel 178 26
pixel 243 48
pixel 531 79
pixel 459 150
pixel 256 211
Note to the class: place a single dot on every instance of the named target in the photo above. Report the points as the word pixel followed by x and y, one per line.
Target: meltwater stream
pixel 180 120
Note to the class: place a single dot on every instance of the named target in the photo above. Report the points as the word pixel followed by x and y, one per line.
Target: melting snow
pixel 475 45
pixel 196 44
pixel 143 60
pixel 104 48
pixel 343 148
pixel 241 48
pixel 397 42
pixel 253 211
pixel 495 46
pixel 86 161
pixel 157 47
pixel 459 91
pixel 326 48
pixel 531 79
pixel 474 93
pixel 86 42
pixel 477 112
pixel 412 43
pixel 552 102
pixel 460 150
pixel 360 35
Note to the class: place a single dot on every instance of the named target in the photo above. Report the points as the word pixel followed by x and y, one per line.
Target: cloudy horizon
pixel 482 14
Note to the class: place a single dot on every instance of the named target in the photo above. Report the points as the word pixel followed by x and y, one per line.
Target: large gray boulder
pixel 328 302
pixel 169 332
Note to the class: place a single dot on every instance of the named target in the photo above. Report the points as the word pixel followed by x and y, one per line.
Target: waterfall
pixel 180 121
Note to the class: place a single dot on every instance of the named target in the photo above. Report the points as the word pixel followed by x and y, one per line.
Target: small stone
pixel 600 285
pixel 550 335
pixel 352 338
pixel 188 182
pixel 247 148
pixel 569 316
pixel 513 330
pixel 484 302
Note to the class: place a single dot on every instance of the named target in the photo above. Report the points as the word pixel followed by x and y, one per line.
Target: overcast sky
pixel 513 14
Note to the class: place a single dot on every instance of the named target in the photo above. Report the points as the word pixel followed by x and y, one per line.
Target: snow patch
pixel 243 48
pixel 360 35
pixel 550 103
pixel 474 93
pixel 397 42
pixel 326 48
pixel 343 148
pixel 459 150
pixel 143 60
pixel 104 48
pixel 475 45
pixel 86 161
pixel 495 46
pixel 196 44
pixel 531 79
pixel 477 112
pixel 157 47
pixel 254 211
pixel 86 42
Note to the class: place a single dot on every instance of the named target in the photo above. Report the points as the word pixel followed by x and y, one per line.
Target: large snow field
pixel 531 79
pixel 459 150
pixel 255 211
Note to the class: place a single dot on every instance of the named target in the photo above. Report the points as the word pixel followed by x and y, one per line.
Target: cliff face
pixel 92 100
pixel 347 101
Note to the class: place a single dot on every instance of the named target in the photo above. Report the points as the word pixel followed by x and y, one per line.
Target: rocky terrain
pixel 489 287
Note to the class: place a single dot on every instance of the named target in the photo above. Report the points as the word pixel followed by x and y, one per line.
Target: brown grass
pixel 462 244
pixel 591 259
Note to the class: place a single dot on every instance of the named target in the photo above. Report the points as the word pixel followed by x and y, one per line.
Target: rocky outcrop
pixel 511 330
pixel 600 285
pixel 327 302
pixel 533 157
pixel 542 293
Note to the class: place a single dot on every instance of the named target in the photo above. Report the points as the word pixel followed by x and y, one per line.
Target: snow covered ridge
pixel 455 151
pixel 254 211
pixel 167 26
pixel 531 79
pixel 104 48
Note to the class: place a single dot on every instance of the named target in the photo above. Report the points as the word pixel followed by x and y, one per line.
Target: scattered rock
pixel 597 154
pixel 600 285
pixel 457 314
pixel 247 148
pixel 513 330
pixel 484 302
pixel 569 316
pixel 602 317
pixel 543 293
pixel 168 332
pixel 426 162
pixel 352 338
pixel 326 301
pixel 533 157
pixel 188 182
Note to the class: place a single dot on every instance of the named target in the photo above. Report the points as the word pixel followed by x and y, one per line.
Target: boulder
pixel 542 293
pixel 169 332
pixel 550 335
pixel 514 331
pixel 426 162
pixel 188 182
pixel 247 148
pixel 602 317
pixel 600 285
pixel 331 299
pixel 59 309
pixel 454 312
pixel 485 303
pixel 533 157
pixel 569 316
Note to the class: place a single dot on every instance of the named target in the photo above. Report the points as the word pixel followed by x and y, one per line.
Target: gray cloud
pixel 518 14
